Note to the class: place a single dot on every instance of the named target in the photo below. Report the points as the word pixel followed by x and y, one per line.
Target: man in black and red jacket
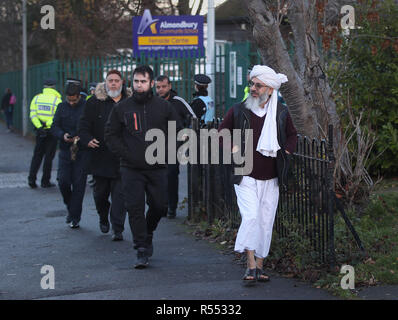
pixel 125 132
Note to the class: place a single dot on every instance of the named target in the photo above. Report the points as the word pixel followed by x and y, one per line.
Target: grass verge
pixel 376 225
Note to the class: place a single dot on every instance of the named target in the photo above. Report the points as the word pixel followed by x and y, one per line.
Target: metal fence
pixel 231 59
pixel 179 67
pixel 307 201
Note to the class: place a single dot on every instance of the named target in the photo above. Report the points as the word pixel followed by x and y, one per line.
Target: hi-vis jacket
pixel 43 107
pixel 209 113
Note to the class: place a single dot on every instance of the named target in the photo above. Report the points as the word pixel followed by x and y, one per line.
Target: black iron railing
pixel 308 200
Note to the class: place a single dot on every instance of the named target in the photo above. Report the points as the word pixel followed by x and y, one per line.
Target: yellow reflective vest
pixel 43 107
pixel 247 91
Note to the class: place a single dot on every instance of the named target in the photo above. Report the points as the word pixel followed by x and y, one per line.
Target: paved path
pixel 88 265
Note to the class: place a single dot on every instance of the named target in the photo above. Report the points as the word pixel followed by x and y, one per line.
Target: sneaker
pixel 117 236
pixel 68 219
pixel 47 185
pixel 142 259
pixel 33 184
pixel 171 214
pixel 74 225
pixel 104 227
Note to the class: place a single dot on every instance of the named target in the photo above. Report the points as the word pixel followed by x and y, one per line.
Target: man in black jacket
pixel 184 112
pixel 125 133
pixel 72 163
pixel 104 165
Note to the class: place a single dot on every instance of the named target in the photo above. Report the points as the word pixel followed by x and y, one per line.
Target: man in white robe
pixel 274 139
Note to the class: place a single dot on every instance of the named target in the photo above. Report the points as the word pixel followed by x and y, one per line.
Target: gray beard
pixel 251 103
pixel 113 93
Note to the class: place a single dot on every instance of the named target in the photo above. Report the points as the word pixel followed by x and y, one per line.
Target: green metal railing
pixel 180 67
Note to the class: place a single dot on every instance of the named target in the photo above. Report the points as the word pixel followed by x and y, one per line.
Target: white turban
pixel 268 76
pixel 268 142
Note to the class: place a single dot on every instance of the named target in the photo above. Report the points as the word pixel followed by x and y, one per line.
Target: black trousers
pixel 103 188
pixel 45 147
pixel 136 185
pixel 72 177
pixel 173 170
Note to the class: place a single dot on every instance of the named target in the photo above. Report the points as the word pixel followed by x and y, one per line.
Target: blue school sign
pixel 165 35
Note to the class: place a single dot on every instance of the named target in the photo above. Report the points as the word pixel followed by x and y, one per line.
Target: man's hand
pixel 68 138
pixel 93 143
pixel 287 152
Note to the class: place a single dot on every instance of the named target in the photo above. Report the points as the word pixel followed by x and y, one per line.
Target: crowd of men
pixel 109 144
pixel 103 135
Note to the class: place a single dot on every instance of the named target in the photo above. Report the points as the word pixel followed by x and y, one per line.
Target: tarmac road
pixel 88 265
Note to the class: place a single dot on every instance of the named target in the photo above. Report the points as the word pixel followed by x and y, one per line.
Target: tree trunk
pixel 307 93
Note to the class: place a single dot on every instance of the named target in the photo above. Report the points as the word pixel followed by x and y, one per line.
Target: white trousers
pixel 258 202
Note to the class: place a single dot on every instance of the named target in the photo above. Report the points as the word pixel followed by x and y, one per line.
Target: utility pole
pixel 210 50
pixel 24 71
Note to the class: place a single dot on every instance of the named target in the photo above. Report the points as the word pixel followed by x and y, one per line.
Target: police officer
pixel 42 110
pixel 91 88
pixel 73 156
pixel 202 104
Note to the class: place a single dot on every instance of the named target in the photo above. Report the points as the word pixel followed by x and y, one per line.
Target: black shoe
pixel 47 185
pixel 142 259
pixel 68 219
pixel 104 227
pixel 171 214
pixel 117 236
pixel 150 245
pixel 33 185
pixel 74 225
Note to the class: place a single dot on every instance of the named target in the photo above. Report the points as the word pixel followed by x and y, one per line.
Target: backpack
pixel 13 100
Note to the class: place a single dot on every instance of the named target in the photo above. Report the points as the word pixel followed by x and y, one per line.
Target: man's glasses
pixel 256 84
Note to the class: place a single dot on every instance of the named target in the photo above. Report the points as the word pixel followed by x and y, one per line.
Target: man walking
pixel 274 139
pixel 42 111
pixel 7 105
pixel 125 132
pixel 104 165
pixel 184 113
pixel 72 160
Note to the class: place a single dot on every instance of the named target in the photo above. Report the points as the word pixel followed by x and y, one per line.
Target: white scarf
pixel 268 141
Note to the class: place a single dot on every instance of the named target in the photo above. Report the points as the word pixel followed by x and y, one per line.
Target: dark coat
pixel 92 125
pixel 5 101
pixel 128 124
pixel 241 120
pixel 198 106
pixel 180 108
pixel 66 119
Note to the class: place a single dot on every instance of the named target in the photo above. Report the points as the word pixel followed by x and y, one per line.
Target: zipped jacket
pixel 43 108
pixel 242 121
pixel 128 123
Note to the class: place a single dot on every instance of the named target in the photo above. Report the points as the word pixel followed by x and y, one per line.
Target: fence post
pixel 330 185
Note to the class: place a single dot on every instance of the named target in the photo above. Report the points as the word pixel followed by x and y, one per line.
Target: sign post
pixel 166 35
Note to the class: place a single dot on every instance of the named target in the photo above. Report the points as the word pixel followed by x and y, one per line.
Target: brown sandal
pixel 262 276
pixel 250 273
